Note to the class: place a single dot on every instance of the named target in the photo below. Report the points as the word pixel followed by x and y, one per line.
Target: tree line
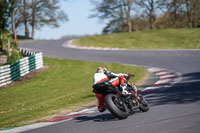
pixel 131 15
pixel 29 15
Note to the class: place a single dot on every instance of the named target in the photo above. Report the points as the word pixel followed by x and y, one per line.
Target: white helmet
pixel 101 70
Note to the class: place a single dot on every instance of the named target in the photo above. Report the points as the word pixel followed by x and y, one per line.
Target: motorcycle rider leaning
pixel 104 79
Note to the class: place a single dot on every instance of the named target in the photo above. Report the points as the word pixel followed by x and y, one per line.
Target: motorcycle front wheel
pixel 116 106
pixel 143 105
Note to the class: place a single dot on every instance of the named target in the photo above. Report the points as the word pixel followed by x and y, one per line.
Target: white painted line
pixel 153 70
pixel 168 76
pixel 28 127
pixel 151 88
pixel 163 73
pixel 69 44
pixel 87 111
pixel 43 124
pixel 163 81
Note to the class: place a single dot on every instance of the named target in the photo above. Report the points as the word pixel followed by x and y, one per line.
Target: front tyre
pixel 116 106
pixel 143 105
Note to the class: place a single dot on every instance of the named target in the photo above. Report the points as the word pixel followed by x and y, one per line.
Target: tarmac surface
pixel 172 110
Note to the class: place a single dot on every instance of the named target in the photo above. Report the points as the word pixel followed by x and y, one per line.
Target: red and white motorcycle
pixel 121 105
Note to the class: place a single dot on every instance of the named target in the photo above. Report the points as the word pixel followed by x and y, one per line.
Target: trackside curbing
pixel 20 68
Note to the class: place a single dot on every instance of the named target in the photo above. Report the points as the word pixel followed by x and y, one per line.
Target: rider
pixel 103 78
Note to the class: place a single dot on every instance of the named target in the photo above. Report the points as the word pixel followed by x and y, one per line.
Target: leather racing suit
pixel 108 78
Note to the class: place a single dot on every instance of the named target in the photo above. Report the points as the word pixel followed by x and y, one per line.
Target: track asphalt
pixel 172 110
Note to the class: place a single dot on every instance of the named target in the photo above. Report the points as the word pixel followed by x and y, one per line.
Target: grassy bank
pixel 65 84
pixel 149 39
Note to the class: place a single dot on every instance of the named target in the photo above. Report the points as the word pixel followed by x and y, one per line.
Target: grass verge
pixel 65 84
pixel 148 39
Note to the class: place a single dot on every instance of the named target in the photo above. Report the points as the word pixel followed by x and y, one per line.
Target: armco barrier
pixel 14 71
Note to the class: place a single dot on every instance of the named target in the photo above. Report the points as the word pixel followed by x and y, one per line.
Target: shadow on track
pixel 104 117
pixel 98 118
pixel 186 91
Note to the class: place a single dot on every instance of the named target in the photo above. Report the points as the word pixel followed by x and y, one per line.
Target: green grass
pixel 65 84
pixel 148 39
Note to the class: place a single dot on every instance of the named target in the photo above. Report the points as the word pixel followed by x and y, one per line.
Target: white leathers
pixel 98 77
pixel 118 74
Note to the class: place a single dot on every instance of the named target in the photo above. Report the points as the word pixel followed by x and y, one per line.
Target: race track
pixel 172 110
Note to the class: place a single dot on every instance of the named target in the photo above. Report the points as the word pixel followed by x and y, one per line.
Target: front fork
pixel 135 101
pixel 135 92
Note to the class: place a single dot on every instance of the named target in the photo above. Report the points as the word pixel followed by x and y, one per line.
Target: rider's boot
pixel 101 105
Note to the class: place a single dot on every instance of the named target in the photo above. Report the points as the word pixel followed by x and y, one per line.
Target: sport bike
pixel 119 104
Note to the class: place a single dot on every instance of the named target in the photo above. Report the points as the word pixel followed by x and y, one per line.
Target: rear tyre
pixel 116 107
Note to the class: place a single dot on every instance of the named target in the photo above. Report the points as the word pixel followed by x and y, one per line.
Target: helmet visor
pixel 101 70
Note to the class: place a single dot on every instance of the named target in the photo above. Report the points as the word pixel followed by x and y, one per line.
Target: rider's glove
pixel 130 75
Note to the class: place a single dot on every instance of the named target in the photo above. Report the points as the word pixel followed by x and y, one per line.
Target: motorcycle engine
pixel 132 103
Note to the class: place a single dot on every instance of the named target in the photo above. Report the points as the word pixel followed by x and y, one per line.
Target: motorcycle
pixel 121 105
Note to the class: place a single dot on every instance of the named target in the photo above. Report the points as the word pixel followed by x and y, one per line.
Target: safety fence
pixel 14 71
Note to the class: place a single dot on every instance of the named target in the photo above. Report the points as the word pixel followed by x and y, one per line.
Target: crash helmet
pixel 101 70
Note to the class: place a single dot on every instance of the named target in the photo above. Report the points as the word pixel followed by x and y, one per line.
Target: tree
pixel 175 10
pixel 182 13
pixel 26 19
pixel 13 12
pixel 34 13
pixel 117 14
pixel 33 17
pixel 19 16
pixel 149 7
pixel 193 12
pixel 46 12
pixel 4 14
pixel 109 11
pixel 188 10
pixel 127 8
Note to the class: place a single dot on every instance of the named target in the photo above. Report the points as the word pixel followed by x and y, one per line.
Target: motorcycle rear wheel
pixel 118 110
